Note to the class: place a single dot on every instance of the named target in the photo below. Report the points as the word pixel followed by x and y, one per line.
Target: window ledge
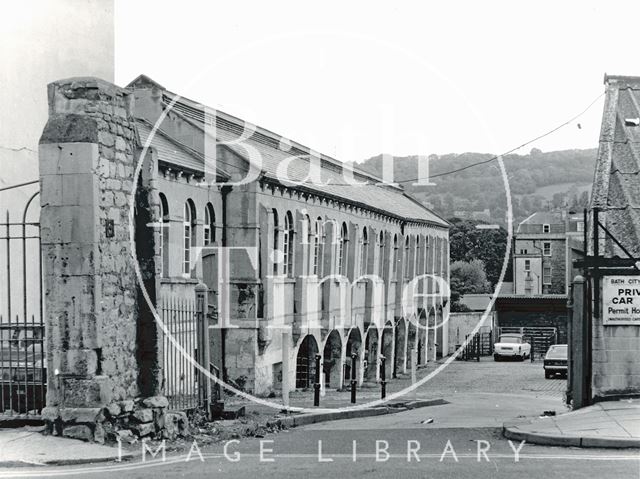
pixel 179 280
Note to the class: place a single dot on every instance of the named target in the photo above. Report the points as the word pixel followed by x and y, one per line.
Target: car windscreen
pixel 557 352
pixel 510 339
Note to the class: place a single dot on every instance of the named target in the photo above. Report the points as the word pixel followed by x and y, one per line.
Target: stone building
pixel 541 253
pixel 312 250
pixel 544 247
pixel 150 200
pixel 614 357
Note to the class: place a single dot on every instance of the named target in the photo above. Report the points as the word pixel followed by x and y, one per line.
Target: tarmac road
pixel 460 439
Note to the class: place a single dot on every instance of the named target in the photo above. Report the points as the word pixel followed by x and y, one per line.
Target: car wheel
pixel 547 375
pixel 496 358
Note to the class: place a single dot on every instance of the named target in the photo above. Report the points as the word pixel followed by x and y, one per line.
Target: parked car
pixel 511 346
pixel 22 373
pixel 555 361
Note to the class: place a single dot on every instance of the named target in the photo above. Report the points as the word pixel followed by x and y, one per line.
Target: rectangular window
pixel 546 228
pixel 527 265
pixel 546 248
pixel 523 251
pixel 580 226
pixel 546 275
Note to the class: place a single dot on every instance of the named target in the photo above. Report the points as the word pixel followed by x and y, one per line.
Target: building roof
pixel 543 218
pixel 170 151
pixel 616 186
pixel 275 150
pixel 476 302
pixel 526 297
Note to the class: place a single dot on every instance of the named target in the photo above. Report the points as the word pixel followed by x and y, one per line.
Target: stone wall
pixel 615 359
pixel 461 324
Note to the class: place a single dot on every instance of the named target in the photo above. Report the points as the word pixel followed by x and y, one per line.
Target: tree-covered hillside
pixel 538 181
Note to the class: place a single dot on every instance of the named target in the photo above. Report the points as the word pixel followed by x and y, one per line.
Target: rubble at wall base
pixel 123 421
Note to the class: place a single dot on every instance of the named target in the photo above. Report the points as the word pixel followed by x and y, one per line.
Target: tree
pixel 584 200
pixel 468 243
pixel 470 277
pixel 467 278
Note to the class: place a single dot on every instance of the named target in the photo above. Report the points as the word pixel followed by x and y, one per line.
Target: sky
pixel 354 79
pixel 42 41
pixel 349 79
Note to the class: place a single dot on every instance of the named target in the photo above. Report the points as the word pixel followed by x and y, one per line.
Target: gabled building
pixel 615 349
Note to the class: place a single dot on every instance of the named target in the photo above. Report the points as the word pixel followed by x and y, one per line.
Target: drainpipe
pixel 225 190
pixel 540 278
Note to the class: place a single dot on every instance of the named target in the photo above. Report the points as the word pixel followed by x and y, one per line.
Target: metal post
pixel 204 355
pixel 316 385
pixel 593 308
pixel 286 387
pixel 383 376
pixel 478 347
pixel 533 350
pixel 596 255
pixel 578 345
pixel 414 361
pixel 354 382
pixel 570 360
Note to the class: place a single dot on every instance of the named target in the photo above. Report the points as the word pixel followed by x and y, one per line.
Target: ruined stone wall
pixel 88 152
pixel 86 168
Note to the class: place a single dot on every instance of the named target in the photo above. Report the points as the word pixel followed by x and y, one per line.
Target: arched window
pixel 407 264
pixel 189 238
pixel 381 255
pixel 209 225
pixel 164 236
pixel 418 257
pixel 364 251
pixel 276 254
pixel 307 236
pixel 342 249
pixel 287 243
pixel 394 258
pixel 318 237
pixel 427 263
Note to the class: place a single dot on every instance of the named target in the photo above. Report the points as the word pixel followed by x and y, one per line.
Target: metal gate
pixel 184 384
pixel 22 331
pixel 540 338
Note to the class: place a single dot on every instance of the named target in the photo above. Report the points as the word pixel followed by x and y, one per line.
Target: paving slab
pixel 611 424
pixel 27 446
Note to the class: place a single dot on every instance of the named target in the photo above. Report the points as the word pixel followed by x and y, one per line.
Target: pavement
pixel 611 424
pixel 27 446
pixel 393 445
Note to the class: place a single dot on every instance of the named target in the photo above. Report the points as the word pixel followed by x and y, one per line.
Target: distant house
pixel 542 252
pixel 544 247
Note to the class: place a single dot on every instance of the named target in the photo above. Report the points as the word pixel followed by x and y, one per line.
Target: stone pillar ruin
pixel 93 312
